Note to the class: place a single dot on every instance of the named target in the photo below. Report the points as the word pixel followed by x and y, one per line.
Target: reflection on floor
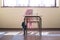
pixel 31 35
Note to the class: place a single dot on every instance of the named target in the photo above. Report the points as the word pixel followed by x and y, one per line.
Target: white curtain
pixel 42 2
pixel 9 2
pixel 22 2
pixel 29 3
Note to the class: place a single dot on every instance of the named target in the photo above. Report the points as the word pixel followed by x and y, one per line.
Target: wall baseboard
pixel 30 29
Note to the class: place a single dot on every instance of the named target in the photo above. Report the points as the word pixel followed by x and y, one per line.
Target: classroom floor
pixel 31 35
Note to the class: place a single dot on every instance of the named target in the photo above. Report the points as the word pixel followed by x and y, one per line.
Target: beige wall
pixel 12 17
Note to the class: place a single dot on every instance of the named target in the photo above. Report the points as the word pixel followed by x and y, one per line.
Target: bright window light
pixel 9 3
pixel 43 3
pixel 21 2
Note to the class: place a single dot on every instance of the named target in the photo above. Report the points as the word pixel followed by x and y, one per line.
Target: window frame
pixel 30 6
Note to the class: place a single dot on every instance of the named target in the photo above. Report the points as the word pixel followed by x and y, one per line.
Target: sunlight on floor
pixel 45 33
pixel 11 33
pixel 35 33
pixel 21 33
pixel 2 33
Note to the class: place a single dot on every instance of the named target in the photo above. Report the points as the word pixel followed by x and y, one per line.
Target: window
pixel 30 3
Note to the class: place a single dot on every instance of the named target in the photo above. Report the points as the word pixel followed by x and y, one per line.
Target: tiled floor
pixel 31 35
